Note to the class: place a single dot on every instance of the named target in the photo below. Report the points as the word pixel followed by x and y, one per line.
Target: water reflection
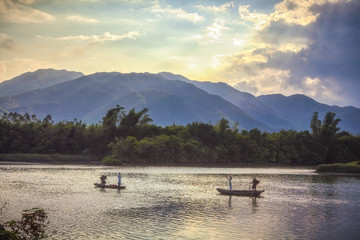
pixel 254 204
pixel 182 203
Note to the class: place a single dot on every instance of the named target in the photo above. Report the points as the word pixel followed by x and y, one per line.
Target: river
pixel 182 202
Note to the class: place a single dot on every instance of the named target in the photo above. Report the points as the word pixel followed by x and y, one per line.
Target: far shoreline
pixel 190 165
pixel 56 159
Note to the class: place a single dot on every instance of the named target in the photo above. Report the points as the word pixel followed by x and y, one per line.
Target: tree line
pixel 129 137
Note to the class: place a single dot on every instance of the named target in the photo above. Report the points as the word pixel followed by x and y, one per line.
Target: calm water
pixel 182 202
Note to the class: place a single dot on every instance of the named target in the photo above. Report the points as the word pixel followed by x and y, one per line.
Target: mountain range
pixel 170 98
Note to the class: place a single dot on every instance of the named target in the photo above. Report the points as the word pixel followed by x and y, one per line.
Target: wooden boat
pixel 99 185
pixel 249 193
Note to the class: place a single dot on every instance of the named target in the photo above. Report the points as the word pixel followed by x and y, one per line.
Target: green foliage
pixel 46 158
pixel 352 167
pixel 326 133
pixel 315 124
pixel 32 225
pixel 132 118
pixel 127 137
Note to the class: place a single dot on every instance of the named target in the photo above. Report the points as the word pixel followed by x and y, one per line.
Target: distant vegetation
pixel 128 137
pixel 352 167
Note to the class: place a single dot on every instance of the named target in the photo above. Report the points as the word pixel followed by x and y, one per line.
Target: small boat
pixel 249 193
pixel 99 185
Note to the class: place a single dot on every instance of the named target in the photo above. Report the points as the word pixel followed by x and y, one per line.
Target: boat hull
pixel 249 193
pixel 99 185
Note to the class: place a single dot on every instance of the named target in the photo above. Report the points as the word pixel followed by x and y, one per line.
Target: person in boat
pixel 230 186
pixel 103 179
pixel 254 182
pixel 119 180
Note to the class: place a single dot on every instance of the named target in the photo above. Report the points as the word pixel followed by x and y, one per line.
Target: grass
pixel 47 158
pixel 352 167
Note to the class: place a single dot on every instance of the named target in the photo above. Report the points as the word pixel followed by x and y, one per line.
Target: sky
pixel 309 47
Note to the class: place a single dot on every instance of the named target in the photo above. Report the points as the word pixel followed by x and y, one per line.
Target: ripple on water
pixel 182 203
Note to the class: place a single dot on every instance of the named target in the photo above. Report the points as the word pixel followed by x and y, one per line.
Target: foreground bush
pixel 31 226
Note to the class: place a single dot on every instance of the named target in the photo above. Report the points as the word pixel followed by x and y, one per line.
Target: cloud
pixel 259 19
pixel 211 33
pixel 300 11
pixel 333 51
pixel 81 19
pixel 249 87
pixel 3 71
pixel 106 37
pixel 12 11
pixel 6 42
pixel 26 1
pixel 279 33
pixel 238 42
pixel 217 9
pixel 176 13
pixel 314 52
pixel 296 12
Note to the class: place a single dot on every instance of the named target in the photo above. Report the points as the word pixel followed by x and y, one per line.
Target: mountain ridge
pixel 41 78
pixel 171 99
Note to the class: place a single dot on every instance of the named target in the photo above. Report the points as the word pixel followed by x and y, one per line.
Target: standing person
pixel 119 180
pixel 103 179
pixel 255 182
pixel 230 186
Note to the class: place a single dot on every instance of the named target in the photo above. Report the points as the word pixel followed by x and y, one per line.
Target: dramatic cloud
pixel 333 54
pixel 12 11
pixel 311 49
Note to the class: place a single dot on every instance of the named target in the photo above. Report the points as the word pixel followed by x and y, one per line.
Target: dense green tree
pixel 128 137
pixel 315 124
pixel 132 118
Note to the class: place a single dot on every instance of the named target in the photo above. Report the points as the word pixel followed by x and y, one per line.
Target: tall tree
pixel 132 118
pixel 326 133
pixel 315 124
pixel 111 121
pixel 113 117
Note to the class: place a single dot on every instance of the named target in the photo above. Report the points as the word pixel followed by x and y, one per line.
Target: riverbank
pixel 352 167
pixel 29 158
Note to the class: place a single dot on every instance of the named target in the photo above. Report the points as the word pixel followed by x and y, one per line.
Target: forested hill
pixel 170 98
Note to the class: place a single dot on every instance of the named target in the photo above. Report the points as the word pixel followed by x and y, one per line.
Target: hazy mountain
pixel 276 110
pixel 39 79
pixel 89 97
pixel 245 101
pixel 299 109
pixel 170 98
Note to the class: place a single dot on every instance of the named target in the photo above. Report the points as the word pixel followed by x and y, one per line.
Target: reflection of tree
pixel 323 185
pixel 168 219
